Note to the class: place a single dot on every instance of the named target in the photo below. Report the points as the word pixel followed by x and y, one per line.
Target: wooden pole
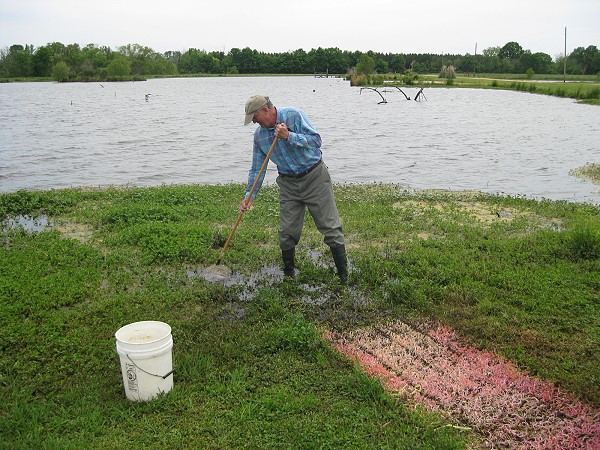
pixel 249 196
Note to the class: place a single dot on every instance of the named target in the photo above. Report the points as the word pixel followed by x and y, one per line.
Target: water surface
pixel 190 130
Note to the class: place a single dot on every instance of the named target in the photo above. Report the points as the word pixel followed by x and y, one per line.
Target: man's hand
pixel 245 205
pixel 282 132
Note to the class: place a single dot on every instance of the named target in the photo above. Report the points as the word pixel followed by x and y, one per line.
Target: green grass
pixel 585 89
pixel 515 276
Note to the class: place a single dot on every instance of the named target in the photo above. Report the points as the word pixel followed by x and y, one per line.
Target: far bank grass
pixel 515 276
pixel 583 91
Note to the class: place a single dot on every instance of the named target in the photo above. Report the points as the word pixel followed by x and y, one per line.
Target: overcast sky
pixel 387 26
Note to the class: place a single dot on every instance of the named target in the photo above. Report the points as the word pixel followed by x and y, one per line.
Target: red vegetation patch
pixel 433 366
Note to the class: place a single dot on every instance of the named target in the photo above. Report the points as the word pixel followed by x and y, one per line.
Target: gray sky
pixel 387 26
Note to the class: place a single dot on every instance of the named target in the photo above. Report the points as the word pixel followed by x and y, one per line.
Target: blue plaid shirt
pixel 299 153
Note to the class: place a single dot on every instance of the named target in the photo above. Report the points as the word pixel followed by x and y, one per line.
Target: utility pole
pixel 475 62
pixel 565 59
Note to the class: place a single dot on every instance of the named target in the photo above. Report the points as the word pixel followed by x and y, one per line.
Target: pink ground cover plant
pixel 433 366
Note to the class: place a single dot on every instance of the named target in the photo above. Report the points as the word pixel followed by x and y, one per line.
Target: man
pixel 304 180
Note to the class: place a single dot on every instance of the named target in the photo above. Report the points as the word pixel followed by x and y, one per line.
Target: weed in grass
pixel 218 239
pixel 584 243
pixel 402 291
pixel 293 333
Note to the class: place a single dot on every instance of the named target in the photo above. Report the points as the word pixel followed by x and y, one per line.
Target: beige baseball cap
pixel 254 104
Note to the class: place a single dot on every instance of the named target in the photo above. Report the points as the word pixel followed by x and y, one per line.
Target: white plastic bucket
pixel 146 359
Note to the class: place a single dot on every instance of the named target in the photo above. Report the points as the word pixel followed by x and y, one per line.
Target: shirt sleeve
pixel 304 135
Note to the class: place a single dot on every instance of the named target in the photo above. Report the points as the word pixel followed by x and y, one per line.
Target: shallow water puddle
pixel 267 274
pixel 315 294
pixel 213 274
pixel 37 224
pixel 28 223
pixel 433 366
pixel 223 275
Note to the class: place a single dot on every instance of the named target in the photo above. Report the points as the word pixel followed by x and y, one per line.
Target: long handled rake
pixel 249 196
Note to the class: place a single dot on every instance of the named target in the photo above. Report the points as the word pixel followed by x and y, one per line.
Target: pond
pixel 190 130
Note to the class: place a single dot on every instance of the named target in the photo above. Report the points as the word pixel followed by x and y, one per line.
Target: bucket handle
pixel 145 371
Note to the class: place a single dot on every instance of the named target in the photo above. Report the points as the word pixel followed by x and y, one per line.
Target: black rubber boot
pixel 341 263
pixel 288 262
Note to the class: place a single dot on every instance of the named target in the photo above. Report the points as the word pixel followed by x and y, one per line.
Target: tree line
pixel 74 63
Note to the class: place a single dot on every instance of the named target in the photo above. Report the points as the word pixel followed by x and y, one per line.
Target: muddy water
pixel 190 131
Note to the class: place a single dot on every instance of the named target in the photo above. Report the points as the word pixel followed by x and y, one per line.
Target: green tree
pixel 381 65
pixel 398 63
pixel 539 62
pixel 157 65
pixel 57 52
pixel 137 56
pixel 585 60
pixel 94 59
pixel 467 64
pixel 285 63
pixel 420 67
pixel 365 65
pixel 41 62
pixel 317 60
pixel 297 62
pixel 119 68
pixel 491 52
pixel 173 56
pixel 530 73
pixel 18 61
pixel 61 71
pixel 332 60
pixel 3 68
pixel 490 61
pixel 337 60
pixel 198 61
pixel 594 59
pixel 247 60
pixel 511 50
pixel 74 57
pixel 227 64
pixel 92 62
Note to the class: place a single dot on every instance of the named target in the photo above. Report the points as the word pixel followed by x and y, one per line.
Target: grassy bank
pixel 515 276
pixel 585 89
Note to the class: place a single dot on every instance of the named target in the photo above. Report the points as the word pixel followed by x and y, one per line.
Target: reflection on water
pixel 190 131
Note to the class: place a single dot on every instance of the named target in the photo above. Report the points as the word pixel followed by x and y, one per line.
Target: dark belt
pixel 306 172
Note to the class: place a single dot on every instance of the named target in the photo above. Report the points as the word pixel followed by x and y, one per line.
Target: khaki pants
pixel 315 192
